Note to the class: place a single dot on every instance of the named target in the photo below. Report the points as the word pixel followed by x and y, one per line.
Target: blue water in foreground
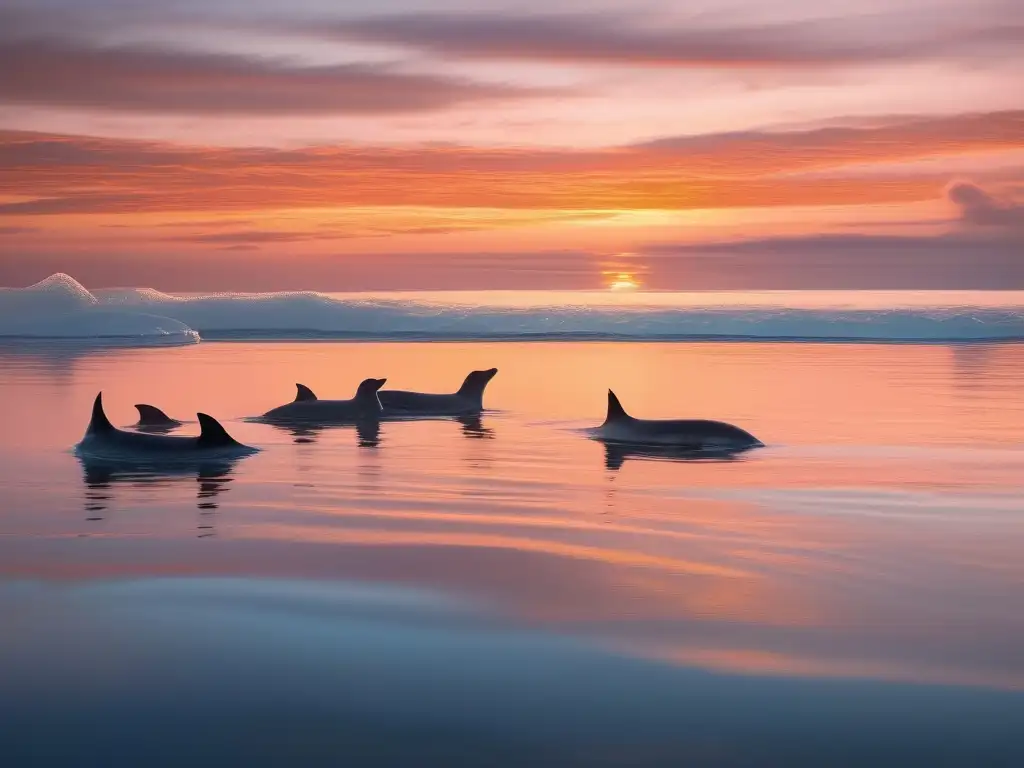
pixel 505 592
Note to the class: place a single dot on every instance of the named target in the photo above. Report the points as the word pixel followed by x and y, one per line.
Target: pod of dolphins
pixel 622 433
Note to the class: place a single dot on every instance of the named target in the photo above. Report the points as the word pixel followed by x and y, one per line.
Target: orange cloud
pixel 53 174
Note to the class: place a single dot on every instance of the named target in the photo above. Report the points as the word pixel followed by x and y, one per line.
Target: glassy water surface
pixel 851 594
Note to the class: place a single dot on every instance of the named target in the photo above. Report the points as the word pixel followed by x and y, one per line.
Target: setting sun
pixel 623 282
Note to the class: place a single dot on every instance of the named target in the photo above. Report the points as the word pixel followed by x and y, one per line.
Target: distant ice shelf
pixel 59 307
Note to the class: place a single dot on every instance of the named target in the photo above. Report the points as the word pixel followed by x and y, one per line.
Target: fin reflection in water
pixel 367 431
pixel 473 427
pixel 102 477
pixel 615 454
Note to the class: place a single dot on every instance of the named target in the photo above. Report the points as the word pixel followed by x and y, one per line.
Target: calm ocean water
pixel 503 591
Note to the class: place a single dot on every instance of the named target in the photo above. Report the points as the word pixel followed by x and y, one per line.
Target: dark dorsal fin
pixel 99 421
pixel 303 393
pixel 615 410
pixel 213 434
pixel 150 414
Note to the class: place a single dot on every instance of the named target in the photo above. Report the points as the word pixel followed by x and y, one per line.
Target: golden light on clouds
pixel 623 272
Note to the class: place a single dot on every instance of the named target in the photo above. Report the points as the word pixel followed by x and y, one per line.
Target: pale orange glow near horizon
pixel 623 282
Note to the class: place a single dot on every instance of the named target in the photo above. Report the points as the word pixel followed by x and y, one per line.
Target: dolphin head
pixel 370 386
pixel 475 383
pixel 366 393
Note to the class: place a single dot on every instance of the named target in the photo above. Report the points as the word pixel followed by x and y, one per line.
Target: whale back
pixel 99 423
pixel 213 435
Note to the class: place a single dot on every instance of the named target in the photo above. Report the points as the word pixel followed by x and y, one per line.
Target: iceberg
pixel 59 307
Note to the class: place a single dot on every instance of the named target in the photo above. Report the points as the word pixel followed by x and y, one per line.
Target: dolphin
pixel 307 408
pixel 468 400
pixel 696 435
pixel 102 439
pixel 151 416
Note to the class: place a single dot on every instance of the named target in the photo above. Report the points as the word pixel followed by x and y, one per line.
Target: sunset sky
pixel 395 144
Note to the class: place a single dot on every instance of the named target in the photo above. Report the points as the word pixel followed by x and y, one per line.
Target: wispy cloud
pixel 47 174
pixel 253 237
pixel 983 253
pixel 376 223
pixel 618 39
pixel 66 72
pixel 244 267
pixel 80 202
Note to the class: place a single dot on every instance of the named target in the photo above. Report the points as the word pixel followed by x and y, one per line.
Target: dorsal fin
pixel 615 410
pixel 99 421
pixel 150 414
pixel 213 434
pixel 303 393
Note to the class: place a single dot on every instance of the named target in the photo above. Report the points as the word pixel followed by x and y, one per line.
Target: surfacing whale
pixel 151 416
pixel 696 435
pixel 468 400
pixel 103 440
pixel 307 408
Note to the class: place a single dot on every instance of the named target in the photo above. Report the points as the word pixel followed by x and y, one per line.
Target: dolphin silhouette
pixel 151 416
pixel 468 400
pixel 683 434
pixel 103 439
pixel 309 409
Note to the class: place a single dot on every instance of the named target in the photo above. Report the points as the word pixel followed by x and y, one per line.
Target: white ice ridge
pixel 59 307
pixel 307 314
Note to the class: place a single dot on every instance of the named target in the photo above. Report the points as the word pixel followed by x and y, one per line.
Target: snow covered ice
pixel 60 307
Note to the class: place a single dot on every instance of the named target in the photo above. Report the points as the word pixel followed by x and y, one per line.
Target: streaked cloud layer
pixel 744 169
pixel 277 130
pixel 64 73
pixel 620 39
